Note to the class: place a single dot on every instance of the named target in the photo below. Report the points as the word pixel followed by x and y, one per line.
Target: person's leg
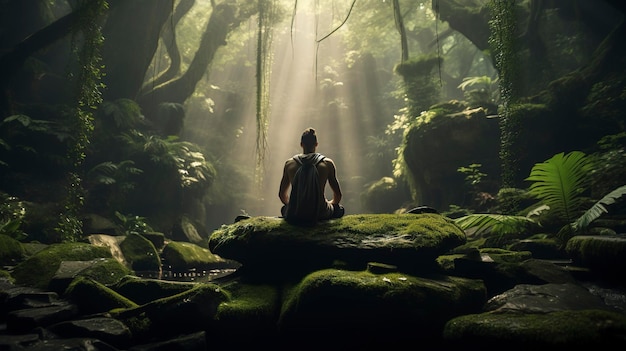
pixel 283 210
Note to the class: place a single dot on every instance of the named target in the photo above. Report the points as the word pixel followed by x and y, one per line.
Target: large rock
pixel 561 316
pixel 412 242
pixel 603 254
pixel 372 311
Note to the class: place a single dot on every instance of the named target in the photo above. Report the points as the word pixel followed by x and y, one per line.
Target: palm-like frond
pixel 559 181
pixel 502 224
pixel 599 208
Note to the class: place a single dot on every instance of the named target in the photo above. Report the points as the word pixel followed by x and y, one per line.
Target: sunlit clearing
pixel 307 89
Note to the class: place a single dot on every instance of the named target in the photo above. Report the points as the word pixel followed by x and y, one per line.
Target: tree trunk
pixel 223 19
pixel 131 33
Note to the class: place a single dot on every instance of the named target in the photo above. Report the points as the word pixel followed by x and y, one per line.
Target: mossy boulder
pixel 558 330
pixel 604 254
pixel 392 308
pixel 184 313
pixel 248 318
pixel 102 270
pixel 38 270
pixel 140 253
pixel 83 291
pixel 412 242
pixel 11 250
pixel 142 290
pixel 182 256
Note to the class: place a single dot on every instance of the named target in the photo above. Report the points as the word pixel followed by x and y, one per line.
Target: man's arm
pixel 283 193
pixel 333 182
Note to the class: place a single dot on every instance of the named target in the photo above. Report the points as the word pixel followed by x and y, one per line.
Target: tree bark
pixel 224 18
pixel 131 34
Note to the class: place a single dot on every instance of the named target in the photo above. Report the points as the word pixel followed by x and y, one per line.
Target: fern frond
pixel 599 208
pixel 559 182
pixel 493 222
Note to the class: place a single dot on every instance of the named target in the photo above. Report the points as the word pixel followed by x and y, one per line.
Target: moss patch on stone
pixel 561 328
pixel 183 256
pixel 143 290
pixel 358 301
pixel 83 291
pixel 140 253
pixel 38 270
pixel 11 250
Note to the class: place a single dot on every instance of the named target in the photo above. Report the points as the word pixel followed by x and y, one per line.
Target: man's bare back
pixel 327 174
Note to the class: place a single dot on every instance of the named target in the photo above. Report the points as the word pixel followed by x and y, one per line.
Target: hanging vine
pixel 267 13
pixel 88 96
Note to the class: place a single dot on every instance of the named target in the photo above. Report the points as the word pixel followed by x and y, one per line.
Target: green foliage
pixel 598 208
pixel 120 115
pixel 480 90
pixel 21 125
pixel 503 46
pixel 12 213
pixel 194 172
pixel 560 182
pixel 473 175
pixel 421 88
pixel 495 223
pixel 38 270
pixel 88 97
pixel 132 224
pixel 109 173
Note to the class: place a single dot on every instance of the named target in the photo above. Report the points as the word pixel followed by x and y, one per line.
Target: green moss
pixel 598 252
pixel 83 291
pixel 345 293
pixel 33 247
pixel 184 255
pixel 429 227
pixel 145 290
pixel 249 303
pixel 555 328
pixel 140 253
pixel 38 270
pixel 503 256
pixel 191 310
pixel 106 271
pixel 6 275
pixel 11 250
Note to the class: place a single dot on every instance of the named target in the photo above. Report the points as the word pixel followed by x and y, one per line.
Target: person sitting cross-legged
pixel 302 187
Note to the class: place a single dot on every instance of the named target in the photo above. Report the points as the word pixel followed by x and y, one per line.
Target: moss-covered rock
pixel 605 254
pixel 102 270
pixel 84 291
pixel 143 290
pixel 248 318
pixel 563 330
pixel 140 253
pixel 182 256
pixel 410 241
pixel 11 250
pixel 361 307
pixel 183 313
pixel 38 270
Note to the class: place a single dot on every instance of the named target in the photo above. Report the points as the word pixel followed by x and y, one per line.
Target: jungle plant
pixel 108 183
pixel 132 224
pixel 12 212
pixel 560 185
pixel 480 90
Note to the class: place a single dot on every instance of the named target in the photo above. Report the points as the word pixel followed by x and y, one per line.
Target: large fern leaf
pixel 493 222
pixel 599 208
pixel 559 182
